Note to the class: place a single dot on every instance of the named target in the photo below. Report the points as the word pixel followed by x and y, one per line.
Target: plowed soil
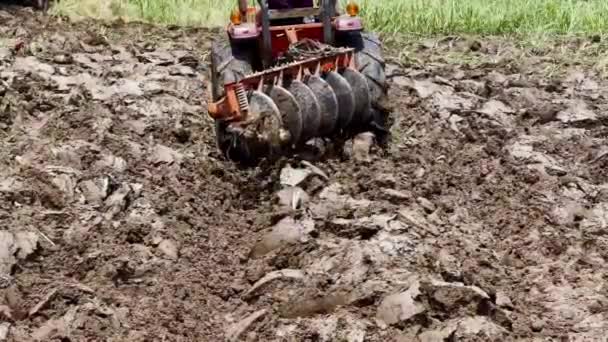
pixel 484 218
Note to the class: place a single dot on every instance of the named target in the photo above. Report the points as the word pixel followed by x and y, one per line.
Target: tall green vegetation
pixel 487 16
pixel 389 16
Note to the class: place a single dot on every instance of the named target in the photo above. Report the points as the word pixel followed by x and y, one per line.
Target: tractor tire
pixel 230 62
pixel 370 62
pixel 42 5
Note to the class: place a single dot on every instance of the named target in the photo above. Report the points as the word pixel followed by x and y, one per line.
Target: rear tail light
pixel 235 17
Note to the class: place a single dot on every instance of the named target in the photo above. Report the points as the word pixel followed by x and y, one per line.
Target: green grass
pixel 209 13
pixel 494 17
pixel 487 16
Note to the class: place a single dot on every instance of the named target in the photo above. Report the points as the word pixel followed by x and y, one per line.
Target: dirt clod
pixel 537 325
pixel 4 330
pixel 400 307
pixel 235 332
pixel 286 274
pixel 169 249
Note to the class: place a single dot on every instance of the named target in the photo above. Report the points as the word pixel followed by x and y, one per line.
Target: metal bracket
pixel 292 35
pixel 266 38
pixel 327 14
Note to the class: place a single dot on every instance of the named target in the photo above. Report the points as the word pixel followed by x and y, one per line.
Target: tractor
pixel 286 75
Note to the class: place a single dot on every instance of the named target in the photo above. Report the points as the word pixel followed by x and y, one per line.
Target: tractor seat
pixel 290 12
pixel 288 4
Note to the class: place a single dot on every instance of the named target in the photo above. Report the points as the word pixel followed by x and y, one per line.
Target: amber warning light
pixel 352 9
pixel 235 17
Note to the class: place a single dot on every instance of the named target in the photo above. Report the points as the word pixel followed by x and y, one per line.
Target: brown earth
pixel 483 219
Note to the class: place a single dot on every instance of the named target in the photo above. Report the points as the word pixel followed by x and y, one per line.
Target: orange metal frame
pixel 231 108
pixel 279 36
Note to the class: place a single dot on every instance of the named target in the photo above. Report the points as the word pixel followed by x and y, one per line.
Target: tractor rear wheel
pixel 370 62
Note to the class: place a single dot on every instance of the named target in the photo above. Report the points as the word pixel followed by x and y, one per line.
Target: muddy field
pixel 483 219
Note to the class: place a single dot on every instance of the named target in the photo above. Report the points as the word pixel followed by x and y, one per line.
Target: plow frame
pixel 234 107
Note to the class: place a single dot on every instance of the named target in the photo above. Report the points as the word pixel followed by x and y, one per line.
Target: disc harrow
pixel 282 108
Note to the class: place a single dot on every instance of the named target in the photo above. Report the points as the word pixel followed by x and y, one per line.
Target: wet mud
pixel 482 219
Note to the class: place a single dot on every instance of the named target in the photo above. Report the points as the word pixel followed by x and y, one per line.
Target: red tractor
pixel 287 74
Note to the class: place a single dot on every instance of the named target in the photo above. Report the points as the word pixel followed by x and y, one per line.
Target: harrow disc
pixel 310 109
pixel 358 83
pixel 265 120
pixel 328 104
pixel 261 135
pixel 290 112
pixel 236 146
pixel 223 139
pixel 345 97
